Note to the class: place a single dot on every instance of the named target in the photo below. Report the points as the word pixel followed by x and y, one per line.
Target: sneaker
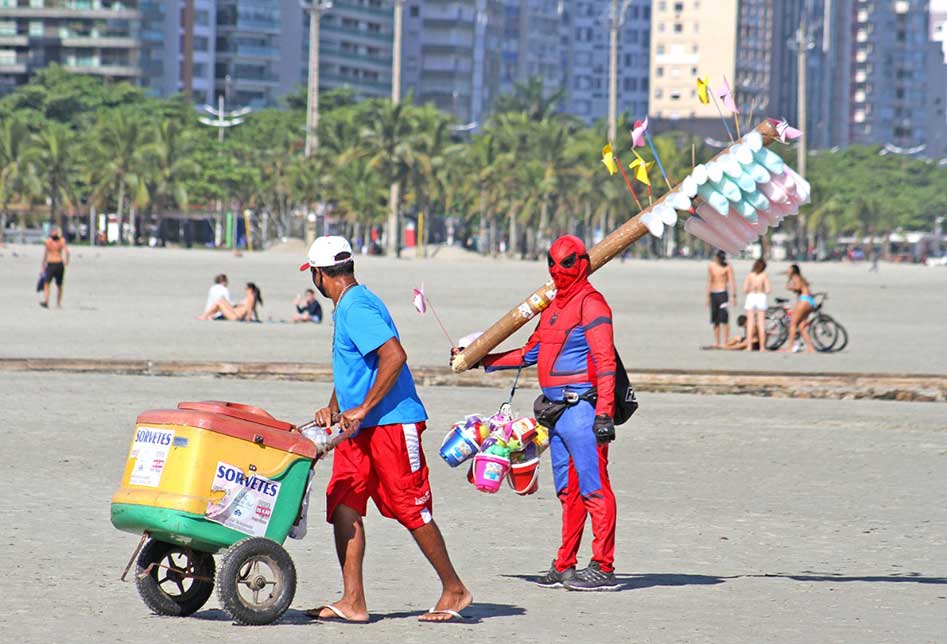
pixel 554 578
pixel 592 579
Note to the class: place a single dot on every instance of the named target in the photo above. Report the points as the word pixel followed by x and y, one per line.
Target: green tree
pixel 16 176
pixel 53 156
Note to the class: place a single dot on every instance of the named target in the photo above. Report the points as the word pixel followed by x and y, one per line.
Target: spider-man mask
pixel 568 265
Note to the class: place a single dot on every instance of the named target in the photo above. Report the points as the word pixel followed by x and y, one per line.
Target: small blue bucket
pixel 457 447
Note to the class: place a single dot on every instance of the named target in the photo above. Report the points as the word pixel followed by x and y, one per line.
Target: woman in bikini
pixel 799 321
pixel 756 286
pixel 243 312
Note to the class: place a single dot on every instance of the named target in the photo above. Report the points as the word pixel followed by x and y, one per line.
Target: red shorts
pixel 387 464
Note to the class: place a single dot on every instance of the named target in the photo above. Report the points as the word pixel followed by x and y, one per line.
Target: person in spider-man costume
pixel 574 351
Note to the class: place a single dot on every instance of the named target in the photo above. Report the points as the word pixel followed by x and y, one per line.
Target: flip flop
pixel 315 614
pixel 454 615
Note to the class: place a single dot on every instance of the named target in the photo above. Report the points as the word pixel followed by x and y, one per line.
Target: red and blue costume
pixel 573 348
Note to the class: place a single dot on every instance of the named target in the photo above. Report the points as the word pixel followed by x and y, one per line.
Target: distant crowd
pixel 722 297
pixel 220 305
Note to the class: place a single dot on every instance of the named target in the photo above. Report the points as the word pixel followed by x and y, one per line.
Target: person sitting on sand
pixel 737 343
pixel 308 308
pixel 219 291
pixel 243 312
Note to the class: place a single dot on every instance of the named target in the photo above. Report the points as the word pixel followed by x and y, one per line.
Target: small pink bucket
pixel 489 471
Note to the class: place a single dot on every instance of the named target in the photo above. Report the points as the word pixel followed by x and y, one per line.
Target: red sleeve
pixel 525 356
pixel 597 325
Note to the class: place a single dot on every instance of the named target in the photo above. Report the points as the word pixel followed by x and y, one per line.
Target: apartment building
pixel 355 47
pixel 585 42
pixel 452 55
pixel 690 39
pixel 96 37
pixel 178 47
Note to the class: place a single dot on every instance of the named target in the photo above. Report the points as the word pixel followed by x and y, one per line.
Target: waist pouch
pixel 547 412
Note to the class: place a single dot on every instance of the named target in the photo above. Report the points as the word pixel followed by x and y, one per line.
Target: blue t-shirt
pixel 362 324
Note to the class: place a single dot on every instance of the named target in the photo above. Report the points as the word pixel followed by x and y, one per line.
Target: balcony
pixel 108 42
pixel 124 71
pixel 256 51
pixel 327 51
pixel 336 80
pixel 351 8
pixel 14 40
pixel 96 10
pixel 355 33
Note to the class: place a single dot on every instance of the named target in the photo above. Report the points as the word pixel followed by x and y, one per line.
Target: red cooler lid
pixel 234 419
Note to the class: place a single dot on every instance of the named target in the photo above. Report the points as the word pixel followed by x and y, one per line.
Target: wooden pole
pixel 537 301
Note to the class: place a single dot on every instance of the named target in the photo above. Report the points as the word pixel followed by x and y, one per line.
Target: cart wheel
pixel 174 580
pixel 256 581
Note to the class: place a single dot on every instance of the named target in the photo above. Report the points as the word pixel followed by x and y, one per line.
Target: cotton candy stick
pixel 731 231
pixel 679 201
pixel 770 160
pixel 699 174
pixel 714 171
pixel 754 141
pixel 803 188
pixel 719 203
pixel 742 153
pixel 702 230
pixel 745 210
pixel 753 229
pixel 733 169
pixel 728 188
pixel 757 200
pixel 689 186
pixel 775 192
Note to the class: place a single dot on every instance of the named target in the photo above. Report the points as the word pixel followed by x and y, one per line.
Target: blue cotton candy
pixel 716 200
pixel 728 189
pixel 758 173
pixel 770 160
pixel 745 210
pixel 757 199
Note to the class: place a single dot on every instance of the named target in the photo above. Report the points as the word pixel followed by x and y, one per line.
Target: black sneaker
pixel 592 579
pixel 554 578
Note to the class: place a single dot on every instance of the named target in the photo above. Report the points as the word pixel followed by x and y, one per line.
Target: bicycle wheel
pixel 776 332
pixel 842 341
pixel 824 333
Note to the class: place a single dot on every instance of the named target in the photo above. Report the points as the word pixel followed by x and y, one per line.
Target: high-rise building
pixel 178 47
pixel 766 75
pixel 939 24
pixel 451 55
pixel 355 47
pixel 96 37
pixel 690 38
pixel 530 46
pixel 585 43
pixel 248 51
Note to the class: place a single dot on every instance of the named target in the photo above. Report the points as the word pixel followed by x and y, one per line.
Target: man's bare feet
pixel 449 602
pixel 339 611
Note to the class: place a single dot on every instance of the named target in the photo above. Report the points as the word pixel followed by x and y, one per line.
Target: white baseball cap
pixel 325 252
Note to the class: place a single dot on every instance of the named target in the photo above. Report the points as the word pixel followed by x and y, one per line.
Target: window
pixel 36 27
pixel 678 7
pixel 675 95
pixel 660 49
pixel 659 72
pixel 678 28
pixel 415 11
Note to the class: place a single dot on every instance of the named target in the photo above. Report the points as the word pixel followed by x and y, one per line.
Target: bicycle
pixel 827 334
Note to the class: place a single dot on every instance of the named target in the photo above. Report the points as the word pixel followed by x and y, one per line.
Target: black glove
pixel 604 429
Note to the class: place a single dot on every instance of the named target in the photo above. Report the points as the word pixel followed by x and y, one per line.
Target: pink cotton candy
pixel 731 230
pixel 700 229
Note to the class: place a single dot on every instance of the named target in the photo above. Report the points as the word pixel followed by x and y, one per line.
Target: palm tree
pixel 430 142
pixel 120 161
pixel 170 165
pixel 54 159
pixel 388 144
pixel 530 99
pixel 16 177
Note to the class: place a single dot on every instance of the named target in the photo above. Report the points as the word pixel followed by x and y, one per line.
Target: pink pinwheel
pixel 784 131
pixel 419 301
pixel 638 134
pixel 726 95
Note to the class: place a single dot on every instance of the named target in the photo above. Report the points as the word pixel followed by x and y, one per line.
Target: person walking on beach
pixel 55 261
pixel 574 351
pixel 756 286
pixel 721 292
pixel 375 402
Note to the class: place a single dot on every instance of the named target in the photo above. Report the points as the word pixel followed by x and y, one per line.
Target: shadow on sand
pixel 650 580
pixel 474 614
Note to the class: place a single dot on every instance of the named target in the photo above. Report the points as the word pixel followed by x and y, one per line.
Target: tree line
pixel 70 142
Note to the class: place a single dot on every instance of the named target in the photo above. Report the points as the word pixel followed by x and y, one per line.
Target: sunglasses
pixel 566 262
